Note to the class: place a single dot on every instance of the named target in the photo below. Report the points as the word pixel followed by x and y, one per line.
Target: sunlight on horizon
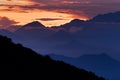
pixel 58 12
pixel 10 9
pixel 25 18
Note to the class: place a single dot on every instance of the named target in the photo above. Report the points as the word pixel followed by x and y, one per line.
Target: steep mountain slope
pixel 101 64
pixel 18 62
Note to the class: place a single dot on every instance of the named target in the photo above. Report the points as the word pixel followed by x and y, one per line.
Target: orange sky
pixel 52 12
pixel 28 17
pixel 12 10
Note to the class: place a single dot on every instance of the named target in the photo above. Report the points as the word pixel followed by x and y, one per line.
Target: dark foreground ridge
pixel 18 62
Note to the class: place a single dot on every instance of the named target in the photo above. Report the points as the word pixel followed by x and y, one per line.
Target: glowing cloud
pixel 27 10
pixel 6 22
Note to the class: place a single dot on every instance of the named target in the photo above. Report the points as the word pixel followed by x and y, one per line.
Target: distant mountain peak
pixel 109 17
pixel 34 24
pixel 72 25
pixel 77 21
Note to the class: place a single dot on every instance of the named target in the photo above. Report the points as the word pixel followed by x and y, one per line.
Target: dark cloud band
pixel 49 19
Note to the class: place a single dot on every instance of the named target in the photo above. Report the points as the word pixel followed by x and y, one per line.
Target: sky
pixel 52 12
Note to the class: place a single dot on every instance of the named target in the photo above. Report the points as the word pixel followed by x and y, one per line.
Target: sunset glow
pixel 57 12
pixel 33 16
pixel 37 37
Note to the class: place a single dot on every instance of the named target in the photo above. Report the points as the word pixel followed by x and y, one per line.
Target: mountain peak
pixel 109 17
pixel 34 24
pixel 76 21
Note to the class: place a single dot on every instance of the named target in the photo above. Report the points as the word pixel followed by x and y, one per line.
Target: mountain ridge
pixel 108 17
pixel 18 62
pixel 102 64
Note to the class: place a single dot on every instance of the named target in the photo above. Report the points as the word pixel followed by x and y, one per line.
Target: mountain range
pixel 18 62
pixel 108 18
pixel 102 64
pixel 90 37
pixel 76 38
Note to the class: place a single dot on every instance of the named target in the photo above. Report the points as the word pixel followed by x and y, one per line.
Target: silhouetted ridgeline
pixel 18 62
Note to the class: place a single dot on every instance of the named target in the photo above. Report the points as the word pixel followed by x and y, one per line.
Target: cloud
pixel 6 22
pixel 49 19
pixel 77 8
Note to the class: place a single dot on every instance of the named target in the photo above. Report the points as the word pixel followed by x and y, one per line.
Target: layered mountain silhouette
pixel 77 25
pixel 73 26
pixel 14 28
pixel 76 38
pixel 109 17
pixel 18 62
pixel 74 23
pixel 101 64
pixel 33 30
pixel 8 33
pixel 91 38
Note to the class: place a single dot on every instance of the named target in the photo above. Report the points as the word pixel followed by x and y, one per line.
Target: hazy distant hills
pixel 109 17
pixel 73 26
pixel 90 37
pixel 77 25
pixel 18 62
pixel 15 37
pixel 73 23
pixel 14 28
pixel 33 30
pixel 101 64
pixel 76 38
